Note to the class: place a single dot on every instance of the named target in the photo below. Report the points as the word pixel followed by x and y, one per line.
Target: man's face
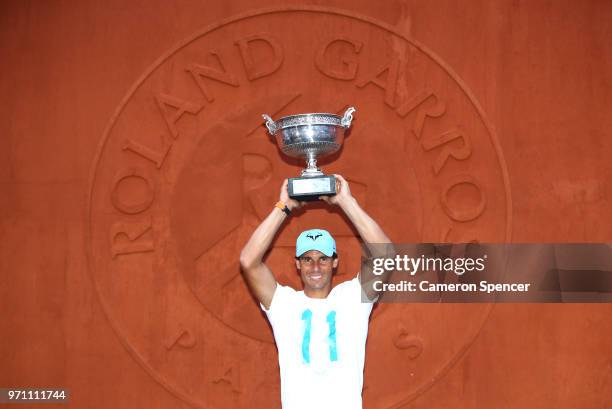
pixel 316 269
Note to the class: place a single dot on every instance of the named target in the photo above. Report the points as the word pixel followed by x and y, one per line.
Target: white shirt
pixel 321 346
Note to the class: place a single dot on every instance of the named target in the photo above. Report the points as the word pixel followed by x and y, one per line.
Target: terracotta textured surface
pixel 134 164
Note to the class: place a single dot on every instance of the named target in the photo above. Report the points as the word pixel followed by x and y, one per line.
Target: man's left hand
pixel 343 192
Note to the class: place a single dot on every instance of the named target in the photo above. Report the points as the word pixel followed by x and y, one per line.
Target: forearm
pixel 374 238
pixel 254 250
pixel 367 227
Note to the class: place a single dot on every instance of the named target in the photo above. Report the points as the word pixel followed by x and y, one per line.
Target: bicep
pixel 262 283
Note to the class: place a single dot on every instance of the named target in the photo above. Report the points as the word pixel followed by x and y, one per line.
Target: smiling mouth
pixel 315 276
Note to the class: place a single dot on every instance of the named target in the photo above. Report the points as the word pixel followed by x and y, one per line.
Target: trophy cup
pixel 310 136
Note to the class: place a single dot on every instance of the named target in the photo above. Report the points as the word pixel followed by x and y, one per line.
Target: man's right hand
pixel 284 197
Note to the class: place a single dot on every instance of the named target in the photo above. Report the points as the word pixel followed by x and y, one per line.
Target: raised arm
pixel 369 231
pixel 258 276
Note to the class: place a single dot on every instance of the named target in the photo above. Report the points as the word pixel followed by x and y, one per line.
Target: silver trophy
pixel 310 136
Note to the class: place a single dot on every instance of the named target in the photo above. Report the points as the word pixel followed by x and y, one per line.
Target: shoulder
pixel 348 287
pixel 352 289
pixel 282 294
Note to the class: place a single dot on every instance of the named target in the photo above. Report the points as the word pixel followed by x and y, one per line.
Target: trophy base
pixel 310 188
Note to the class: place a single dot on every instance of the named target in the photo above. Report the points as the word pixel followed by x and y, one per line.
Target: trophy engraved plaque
pixel 310 136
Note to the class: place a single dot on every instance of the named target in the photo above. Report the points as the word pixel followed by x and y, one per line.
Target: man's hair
pixel 335 255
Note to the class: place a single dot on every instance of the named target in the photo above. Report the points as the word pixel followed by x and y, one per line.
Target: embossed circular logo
pixel 186 171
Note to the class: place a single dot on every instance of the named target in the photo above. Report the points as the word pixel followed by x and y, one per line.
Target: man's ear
pixel 335 263
pixel 297 264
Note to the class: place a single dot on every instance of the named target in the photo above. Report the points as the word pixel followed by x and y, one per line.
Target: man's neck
pixel 316 293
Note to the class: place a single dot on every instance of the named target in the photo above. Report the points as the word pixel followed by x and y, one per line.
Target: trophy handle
pixel 348 117
pixel 269 124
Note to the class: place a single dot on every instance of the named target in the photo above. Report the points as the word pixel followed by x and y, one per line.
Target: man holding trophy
pixel 320 332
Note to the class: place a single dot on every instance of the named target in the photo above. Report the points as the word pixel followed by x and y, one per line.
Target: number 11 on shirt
pixel 331 338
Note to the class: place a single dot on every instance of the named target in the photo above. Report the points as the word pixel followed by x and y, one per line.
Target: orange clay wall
pixel 134 165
